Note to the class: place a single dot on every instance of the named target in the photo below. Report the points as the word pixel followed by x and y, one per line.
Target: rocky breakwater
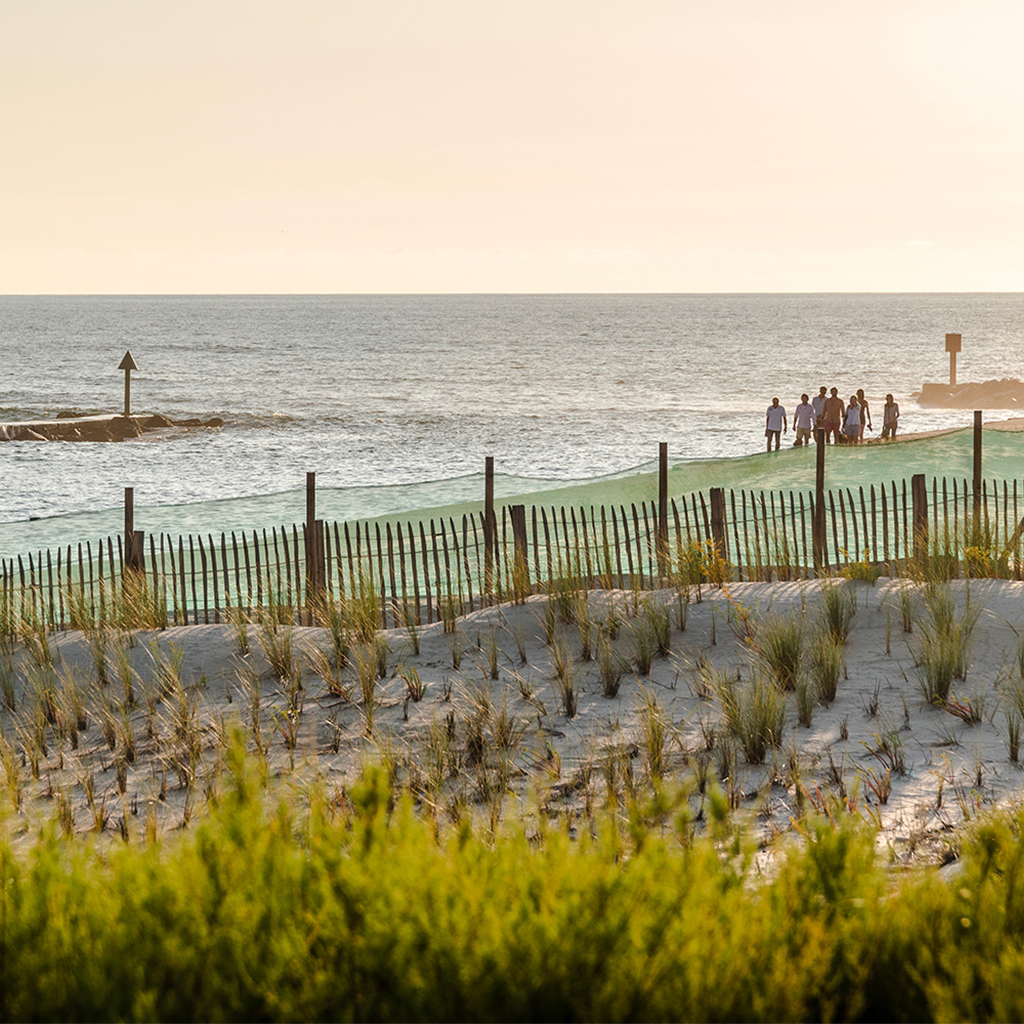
pixel 990 394
pixel 72 427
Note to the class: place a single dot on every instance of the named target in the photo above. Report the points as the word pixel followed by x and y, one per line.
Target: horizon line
pixel 457 294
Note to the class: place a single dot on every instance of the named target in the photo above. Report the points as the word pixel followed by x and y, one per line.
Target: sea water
pixel 396 401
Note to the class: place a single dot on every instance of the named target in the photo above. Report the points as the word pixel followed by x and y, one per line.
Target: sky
pixel 383 146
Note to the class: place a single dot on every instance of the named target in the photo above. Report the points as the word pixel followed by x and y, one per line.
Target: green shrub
pixel 356 909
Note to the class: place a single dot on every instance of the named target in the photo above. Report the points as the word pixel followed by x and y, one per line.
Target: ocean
pixel 395 401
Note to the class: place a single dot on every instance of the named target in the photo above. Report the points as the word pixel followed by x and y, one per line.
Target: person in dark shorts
pixel 818 402
pixel 890 417
pixel 775 423
pixel 865 413
pixel 832 416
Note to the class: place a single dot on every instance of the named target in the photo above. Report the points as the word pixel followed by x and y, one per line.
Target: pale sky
pixel 539 146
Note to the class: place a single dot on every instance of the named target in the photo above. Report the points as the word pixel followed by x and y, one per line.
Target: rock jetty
pixel 69 426
pixel 990 394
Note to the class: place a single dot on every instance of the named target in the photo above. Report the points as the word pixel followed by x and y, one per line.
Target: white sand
pixel 952 769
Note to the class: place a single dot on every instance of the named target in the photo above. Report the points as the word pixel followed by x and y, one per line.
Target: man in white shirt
pixel 803 422
pixel 818 401
pixel 775 423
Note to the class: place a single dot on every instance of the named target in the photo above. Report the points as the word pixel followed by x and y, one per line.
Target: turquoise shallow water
pixel 950 455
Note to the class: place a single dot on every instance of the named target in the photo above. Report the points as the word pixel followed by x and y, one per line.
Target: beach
pixel 147 750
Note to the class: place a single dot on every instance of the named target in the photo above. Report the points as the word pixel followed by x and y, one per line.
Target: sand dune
pixel 878 750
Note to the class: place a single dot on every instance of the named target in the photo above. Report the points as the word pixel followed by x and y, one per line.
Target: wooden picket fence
pixel 418 573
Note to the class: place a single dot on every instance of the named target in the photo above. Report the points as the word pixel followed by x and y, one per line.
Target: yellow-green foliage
pixel 355 908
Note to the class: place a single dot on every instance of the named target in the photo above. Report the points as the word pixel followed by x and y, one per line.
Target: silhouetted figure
pixel 818 401
pixel 803 422
pixel 865 413
pixel 852 422
pixel 832 416
pixel 890 417
pixel 775 423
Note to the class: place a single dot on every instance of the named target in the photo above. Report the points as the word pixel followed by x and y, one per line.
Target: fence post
pixel 662 541
pixel 314 577
pixel 134 552
pixel 919 516
pixel 818 521
pixel 718 521
pixel 321 559
pixel 521 570
pixel 977 477
pixel 489 524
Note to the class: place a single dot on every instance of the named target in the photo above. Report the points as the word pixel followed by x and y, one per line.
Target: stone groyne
pixel 990 394
pixel 69 426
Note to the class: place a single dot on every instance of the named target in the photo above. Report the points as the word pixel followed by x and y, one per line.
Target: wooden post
pixel 128 364
pixel 818 522
pixel 919 516
pixel 312 548
pixel 662 540
pixel 977 475
pixel 521 552
pixel 489 524
pixel 954 344
pixel 718 521
pixel 129 521
pixel 320 559
pixel 134 551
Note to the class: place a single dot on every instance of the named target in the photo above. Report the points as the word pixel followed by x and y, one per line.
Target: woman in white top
pixel 851 422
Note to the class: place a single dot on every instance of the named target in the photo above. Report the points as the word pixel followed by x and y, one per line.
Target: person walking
pixel 865 413
pixel 852 421
pixel 890 416
pixel 832 416
pixel 818 402
pixel 775 423
pixel 803 422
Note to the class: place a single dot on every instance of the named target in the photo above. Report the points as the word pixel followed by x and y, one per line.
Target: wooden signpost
pixel 128 364
pixel 954 344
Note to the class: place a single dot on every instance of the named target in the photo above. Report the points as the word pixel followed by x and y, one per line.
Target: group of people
pixel 840 422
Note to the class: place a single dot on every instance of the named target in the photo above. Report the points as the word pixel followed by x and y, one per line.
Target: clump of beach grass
pixel 239 628
pixel 839 605
pixel 331 616
pixel 365 662
pixel 415 688
pixel 825 664
pixel 779 643
pixel 277 643
pixel 609 666
pixel 8 681
pixel 754 711
pixel 805 700
pixel 654 730
pixel 567 687
pixel 906 602
pixel 942 653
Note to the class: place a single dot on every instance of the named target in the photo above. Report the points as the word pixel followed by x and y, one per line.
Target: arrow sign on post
pixel 128 364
